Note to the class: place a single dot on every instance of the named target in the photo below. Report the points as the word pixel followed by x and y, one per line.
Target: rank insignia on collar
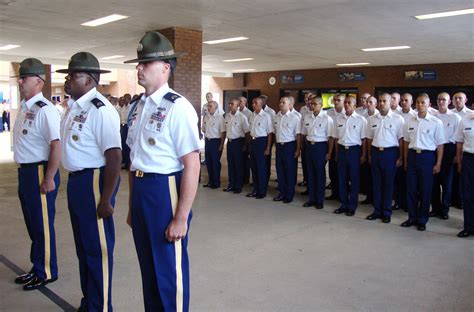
pixel 170 96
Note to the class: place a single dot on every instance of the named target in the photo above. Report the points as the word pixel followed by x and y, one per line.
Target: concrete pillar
pixel 187 76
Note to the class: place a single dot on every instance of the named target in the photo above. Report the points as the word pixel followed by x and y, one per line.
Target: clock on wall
pixel 272 80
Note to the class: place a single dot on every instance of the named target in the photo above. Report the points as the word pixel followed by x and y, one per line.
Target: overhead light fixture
pixel 239 60
pixel 9 47
pixel 112 57
pixel 244 70
pixel 386 48
pixel 352 64
pixel 104 20
pixel 445 14
pixel 225 40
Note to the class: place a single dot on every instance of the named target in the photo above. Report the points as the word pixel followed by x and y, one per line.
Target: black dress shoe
pixel 331 197
pixel 25 278
pixel 260 196
pixel 287 201
pixel 37 282
pixel 206 185
pixel 251 194
pixel 433 214
pixel 319 206
pixel 350 213
pixel 464 234
pixel 421 227
pixel 408 223
pixel 237 191
pixel 443 216
pixel 308 204
pixel 213 187
pixel 366 202
pixel 278 198
pixel 372 216
pixel 386 219
pixel 302 183
pixel 339 210
pixel 228 189
pixel 305 192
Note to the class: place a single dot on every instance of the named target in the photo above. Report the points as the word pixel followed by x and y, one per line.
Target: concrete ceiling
pixel 282 34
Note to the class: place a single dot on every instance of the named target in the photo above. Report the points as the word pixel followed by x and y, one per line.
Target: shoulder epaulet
pixel 170 96
pixel 41 104
pixel 97 103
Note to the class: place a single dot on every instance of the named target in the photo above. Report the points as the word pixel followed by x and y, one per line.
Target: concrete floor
pixel 257 255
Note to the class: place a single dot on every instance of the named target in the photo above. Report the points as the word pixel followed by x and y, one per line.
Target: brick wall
pixel 187 76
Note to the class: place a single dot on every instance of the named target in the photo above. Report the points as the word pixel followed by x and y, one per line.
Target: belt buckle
pixel 381 149
pixel 253 138
pixel 312 143
pixel 139 174
pixel 346 147
pixel 282 143
pixel 418 151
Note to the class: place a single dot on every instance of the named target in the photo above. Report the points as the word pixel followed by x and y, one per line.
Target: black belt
pixel 141 174
pixel 283 143
pixel 35 164
pixel 313 143
pixel 420 151
pixel 381 149
pixel 467 154
pixel 79 172
pixel 348 147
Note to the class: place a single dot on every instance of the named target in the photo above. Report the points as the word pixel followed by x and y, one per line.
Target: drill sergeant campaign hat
pixel 83 62
pixel 154 46
pixel 31 67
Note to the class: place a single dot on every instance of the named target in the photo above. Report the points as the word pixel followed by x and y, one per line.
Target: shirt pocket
pixel 428 129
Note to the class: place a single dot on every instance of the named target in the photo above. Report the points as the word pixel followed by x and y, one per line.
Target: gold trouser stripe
pixel 47 237
pixel 103 243
pixel 177 247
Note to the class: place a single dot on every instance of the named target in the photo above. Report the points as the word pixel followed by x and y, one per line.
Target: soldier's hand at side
pixel 104 209
pixel 328 157
pixel 459 167
pixel 399 162
pixel 47 186
pixel 436 169
pixel 362 159
pixel 267 152
pixel 297 154
pixel 176 230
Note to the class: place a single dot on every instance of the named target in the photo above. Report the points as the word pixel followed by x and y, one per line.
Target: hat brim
pixel 26 75
pixel 67 71
pixel 156 58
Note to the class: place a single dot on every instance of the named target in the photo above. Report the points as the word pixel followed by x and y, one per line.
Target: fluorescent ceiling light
pixel 352 64
pixel 445 14
pixel 386 48
pixel 9 47
pixel 104 20
pixel 243 70
pixel 112 57
pixel 225 40
pixel 239 60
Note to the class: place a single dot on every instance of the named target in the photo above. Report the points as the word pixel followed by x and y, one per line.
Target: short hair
pixel 95 76
pixel 173 62
pixel 317 99
pixel 213 103
pixel 423 94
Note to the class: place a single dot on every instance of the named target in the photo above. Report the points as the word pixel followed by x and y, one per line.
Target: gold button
pixel 75 137
pixel 151 141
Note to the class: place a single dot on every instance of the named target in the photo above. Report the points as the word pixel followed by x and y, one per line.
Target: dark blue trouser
pixel 125 148
pixel 39 213
pixel 400 189
pixel 94 238
pixel 419 184
pixel 258 163
pixel 467 175
pixel 348 171
pixel 213 161
pixel 440 200
pixel 333 176
pixel 286 166
pixel 269 165
pixel 384 168
pixel 366 181
pixel 235 163
pixel 246 166
pixel 304 160
pixel 164 266
pixel 316 168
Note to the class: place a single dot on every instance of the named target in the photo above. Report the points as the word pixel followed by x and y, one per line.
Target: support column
pixel 187 76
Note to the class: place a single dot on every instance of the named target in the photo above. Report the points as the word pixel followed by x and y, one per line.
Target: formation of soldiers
pixel 398 150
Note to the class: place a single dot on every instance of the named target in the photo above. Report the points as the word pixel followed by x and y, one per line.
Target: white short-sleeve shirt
pixel 90 127
pixel 424 133
pixel 385 131
pixel 36 125
pixel 162 128
pixel 286 126
pixel 465 133
pixel 213 125
pixel 237 125
pixel 450 124
pixel 350 130
pixel 260 124
pixel 318 128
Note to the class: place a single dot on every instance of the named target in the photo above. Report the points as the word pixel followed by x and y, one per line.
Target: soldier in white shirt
pixel 292 106
pixel 37 151
pixel 287 129
pixel 371 107
pixel 272 113
pixel 365 169
pixel 245 153
pixel 464 137
pixel 122 109
pixel 243 107
pixel 91 152
pixel 395 103
pixel 441 199
pixel 460 108
pixel 237 130
pixel 385 152
pixel 305 110
pixel 204 108
pixel 213 127
pixel 362 107
pixel 261 132
pixel 318 129
pixel 423 152
pixel 337 110
pixel 350 132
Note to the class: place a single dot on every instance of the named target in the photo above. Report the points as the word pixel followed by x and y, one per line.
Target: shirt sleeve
pixel 49 123
pixel 107 128
pixel 406 137
pixel 269 124
pixel 331 127
pixel 364 128
pixel 369 133
pixel 245 124
pixel 439 135
pixel 298 124
pixel 458 135
pixel 401 127
pixel 304 131
pixel 183 128
pixel 222 124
